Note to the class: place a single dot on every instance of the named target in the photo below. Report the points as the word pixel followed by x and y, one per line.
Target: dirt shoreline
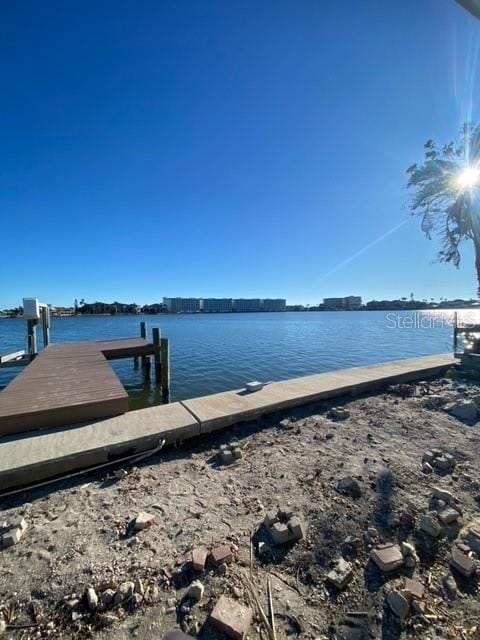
pixel 79 532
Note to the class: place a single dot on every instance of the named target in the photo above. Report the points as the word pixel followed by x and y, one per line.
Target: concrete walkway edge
pixel 30 458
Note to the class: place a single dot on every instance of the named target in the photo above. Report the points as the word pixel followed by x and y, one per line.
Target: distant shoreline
pixel 242 313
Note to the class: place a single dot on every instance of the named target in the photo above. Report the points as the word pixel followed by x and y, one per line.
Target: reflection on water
pixel 216 352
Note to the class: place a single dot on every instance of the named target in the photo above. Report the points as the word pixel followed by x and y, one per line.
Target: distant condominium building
pixel 274 304
pixel 348 303
pixel 222 305
pixel 217 305
pixel 247 304
pixel 182 305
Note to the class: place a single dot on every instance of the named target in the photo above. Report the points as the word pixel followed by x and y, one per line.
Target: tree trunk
pixel 476 242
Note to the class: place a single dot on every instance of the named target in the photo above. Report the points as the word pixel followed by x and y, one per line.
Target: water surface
pixel 216 352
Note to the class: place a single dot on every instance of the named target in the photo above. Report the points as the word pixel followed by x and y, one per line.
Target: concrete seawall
pixel 41 455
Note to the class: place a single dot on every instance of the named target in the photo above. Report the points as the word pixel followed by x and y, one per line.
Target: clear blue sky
pixel 225 148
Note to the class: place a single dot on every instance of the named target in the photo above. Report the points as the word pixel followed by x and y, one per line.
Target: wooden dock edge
pixel 33 458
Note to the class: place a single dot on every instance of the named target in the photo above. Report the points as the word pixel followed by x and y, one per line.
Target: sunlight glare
pixel 468 178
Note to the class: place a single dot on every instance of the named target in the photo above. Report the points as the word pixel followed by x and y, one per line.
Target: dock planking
pixel 67 384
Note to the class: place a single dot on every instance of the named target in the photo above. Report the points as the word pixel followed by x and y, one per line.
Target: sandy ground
pixel 80 533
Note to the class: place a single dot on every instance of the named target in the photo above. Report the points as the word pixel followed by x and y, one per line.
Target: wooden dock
pixel 67 384
pixel 37 456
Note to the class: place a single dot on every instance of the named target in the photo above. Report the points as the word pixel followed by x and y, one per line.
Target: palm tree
pixel 447 194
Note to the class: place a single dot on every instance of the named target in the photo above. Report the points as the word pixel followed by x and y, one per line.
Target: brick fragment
pixel 231 618
pixel 387 558
pixel 199 558
pixel 414 588
pixel 221 555
pixel 462 563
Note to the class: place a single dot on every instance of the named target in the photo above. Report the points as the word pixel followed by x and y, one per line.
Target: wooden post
pixel 143 334
pixel 45 312
pixel 165 368
pixel 146 366
pixel 32 338
pixel 156 357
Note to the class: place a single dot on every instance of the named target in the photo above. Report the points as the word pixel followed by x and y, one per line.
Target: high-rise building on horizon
pixel 348 303
pixel 223 305
pixel 217 305
pixel 182 305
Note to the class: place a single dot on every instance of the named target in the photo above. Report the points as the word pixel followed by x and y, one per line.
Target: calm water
pixel 212 353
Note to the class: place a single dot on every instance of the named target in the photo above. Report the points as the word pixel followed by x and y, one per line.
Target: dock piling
pixel 165 367
pixel 45 315
pixel 32 337
pixel 156 339
pixel 455 332
pixel 143 334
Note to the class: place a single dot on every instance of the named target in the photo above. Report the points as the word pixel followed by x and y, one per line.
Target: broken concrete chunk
pixel 427 468
pixel 228 453
pixel 430 525
pixel 92 598
pixel 444 462
pixel 450 586
pixel 143 521
pixel 280 533
pixel 428 456
pixel 399 604
pixel 221 555
pixel 199 558
pixel 410 554
pixel 473 539
pixel 196 590
pixel 463 409
pixel 124 592
pixel 348 486
pixel 283 526
pixel 297 528
pixel 226 456
pixel 387 557
pixel 11 538
pixel 231 618
pixel 270 518
pixel 285 512
pixel 341 575
pixel 462 563
pixel 447 516
pixel 443 494
pixel 18 523
pixel 107 597
pixel 338 413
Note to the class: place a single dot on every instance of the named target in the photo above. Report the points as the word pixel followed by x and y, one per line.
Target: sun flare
pixel 468 178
